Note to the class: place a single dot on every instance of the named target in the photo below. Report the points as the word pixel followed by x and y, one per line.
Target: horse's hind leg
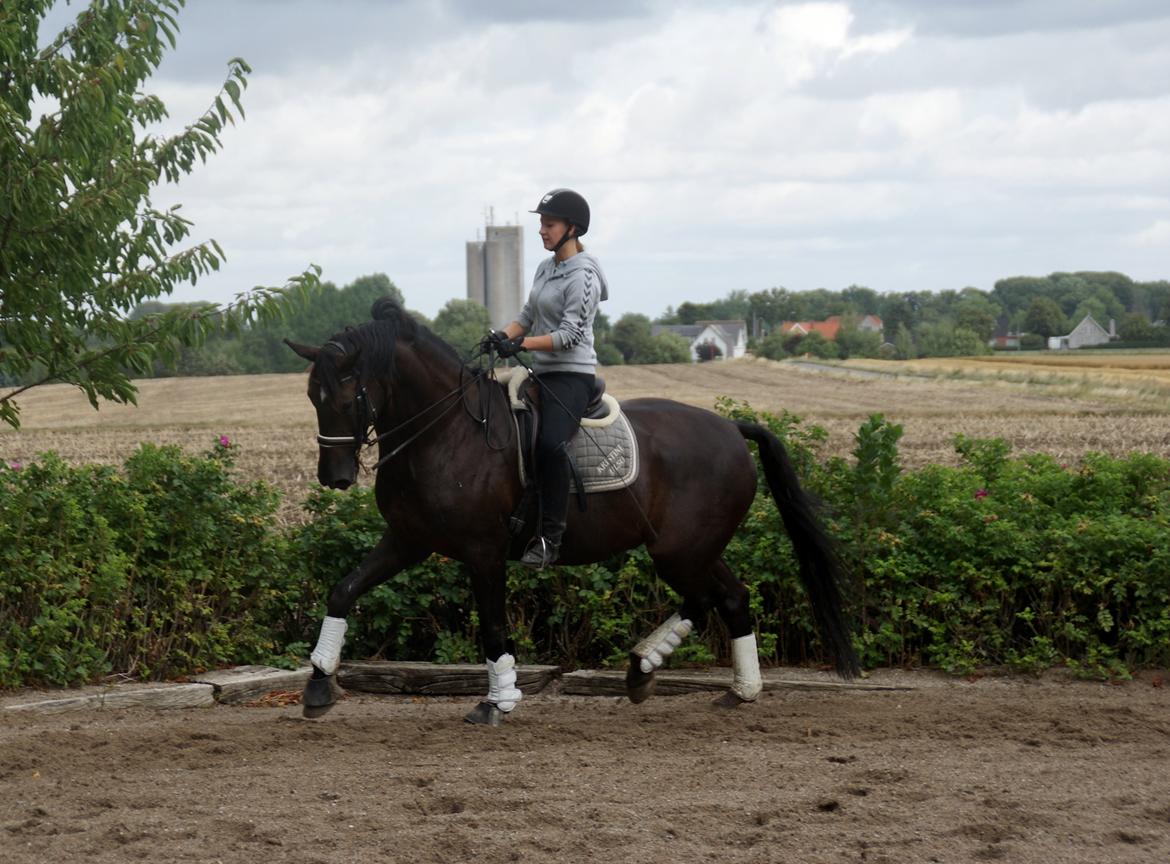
pixel 383 561
pixel 651 652
pixel 733 608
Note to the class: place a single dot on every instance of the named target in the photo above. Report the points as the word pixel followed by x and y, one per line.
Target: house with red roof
pixel 829 327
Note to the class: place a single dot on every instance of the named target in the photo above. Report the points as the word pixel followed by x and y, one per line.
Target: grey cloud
pixel 999 17
pixel 277 36
pixel 410 116
pixel 526 10
pixel 1125 61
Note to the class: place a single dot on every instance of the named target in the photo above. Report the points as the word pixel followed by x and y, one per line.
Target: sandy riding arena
pixel 949 771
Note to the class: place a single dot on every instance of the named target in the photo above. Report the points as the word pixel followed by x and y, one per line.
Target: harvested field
pixel 1035 409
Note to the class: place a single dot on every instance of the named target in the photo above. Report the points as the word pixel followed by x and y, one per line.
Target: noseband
pixel 364 417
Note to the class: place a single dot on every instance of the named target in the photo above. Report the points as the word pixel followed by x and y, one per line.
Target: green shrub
pixel 160 570
pixel 171 565
pixel 62 568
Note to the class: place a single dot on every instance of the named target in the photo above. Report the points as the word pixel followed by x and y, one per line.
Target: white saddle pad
pixel 604 449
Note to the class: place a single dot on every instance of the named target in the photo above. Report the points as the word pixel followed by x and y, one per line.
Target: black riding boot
pixel 545 549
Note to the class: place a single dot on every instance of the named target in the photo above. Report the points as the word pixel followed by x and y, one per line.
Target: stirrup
pixel 540 553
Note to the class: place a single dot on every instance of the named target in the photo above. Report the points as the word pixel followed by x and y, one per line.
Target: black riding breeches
pixel 563 399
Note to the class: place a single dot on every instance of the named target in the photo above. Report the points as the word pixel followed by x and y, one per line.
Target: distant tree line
pixel 916 323
pixel 944 323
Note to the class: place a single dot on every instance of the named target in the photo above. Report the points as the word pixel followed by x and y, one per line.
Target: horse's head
pixel 344 411
pixel 351 383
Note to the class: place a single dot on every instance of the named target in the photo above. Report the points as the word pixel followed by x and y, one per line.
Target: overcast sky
pixel 901 144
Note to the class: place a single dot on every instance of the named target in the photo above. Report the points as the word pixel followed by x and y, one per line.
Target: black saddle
pixel 596 409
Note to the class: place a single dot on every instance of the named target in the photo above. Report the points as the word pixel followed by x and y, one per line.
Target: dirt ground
pixel 952 771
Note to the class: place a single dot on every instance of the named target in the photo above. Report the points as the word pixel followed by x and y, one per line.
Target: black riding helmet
pixel 568 205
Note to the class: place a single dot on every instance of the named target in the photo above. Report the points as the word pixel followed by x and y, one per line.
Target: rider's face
pixel 552 230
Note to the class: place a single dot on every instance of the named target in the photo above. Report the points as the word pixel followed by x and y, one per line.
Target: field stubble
pixel 270 421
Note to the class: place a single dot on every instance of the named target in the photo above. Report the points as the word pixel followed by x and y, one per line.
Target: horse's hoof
pixel 639 684
pixel 485 714
pixel 729 701
pixel 319 696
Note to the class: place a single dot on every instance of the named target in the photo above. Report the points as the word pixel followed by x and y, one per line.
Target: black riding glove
pixel 492 340
pixel 510 347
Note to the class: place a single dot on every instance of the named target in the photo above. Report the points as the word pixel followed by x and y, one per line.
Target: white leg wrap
pixel 661 643
pixel 502 689
pixel 745 662
pixel 327 655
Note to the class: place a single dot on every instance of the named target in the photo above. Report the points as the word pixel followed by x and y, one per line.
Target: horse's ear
pixel 307 351
pixel 348 360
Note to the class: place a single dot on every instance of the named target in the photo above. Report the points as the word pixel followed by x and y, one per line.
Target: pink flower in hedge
pixel 980 493
pixel 14 465
pixel 225 442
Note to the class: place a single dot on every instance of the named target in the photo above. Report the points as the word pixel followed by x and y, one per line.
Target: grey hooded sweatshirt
pixel 563 303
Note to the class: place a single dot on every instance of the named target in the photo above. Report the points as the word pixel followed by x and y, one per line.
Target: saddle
pixel 603 454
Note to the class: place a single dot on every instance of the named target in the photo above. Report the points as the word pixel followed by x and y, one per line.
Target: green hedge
pixel 171 564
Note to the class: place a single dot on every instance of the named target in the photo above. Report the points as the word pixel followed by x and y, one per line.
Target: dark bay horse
pixel 446 485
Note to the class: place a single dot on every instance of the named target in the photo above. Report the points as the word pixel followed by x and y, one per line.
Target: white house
pixel 729 337
pixel 720 340
pixel 1088 332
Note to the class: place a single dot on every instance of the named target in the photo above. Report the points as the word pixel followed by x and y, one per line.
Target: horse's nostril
pixel 341 483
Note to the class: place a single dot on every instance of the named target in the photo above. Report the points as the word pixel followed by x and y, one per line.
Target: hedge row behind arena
pixel 174 564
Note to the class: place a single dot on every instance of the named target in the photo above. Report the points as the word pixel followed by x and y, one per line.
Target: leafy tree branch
pixel 81 245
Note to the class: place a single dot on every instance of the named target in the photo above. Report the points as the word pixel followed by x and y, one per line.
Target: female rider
pixel 556 325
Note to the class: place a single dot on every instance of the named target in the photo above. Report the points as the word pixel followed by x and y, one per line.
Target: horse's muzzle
pixel 336 470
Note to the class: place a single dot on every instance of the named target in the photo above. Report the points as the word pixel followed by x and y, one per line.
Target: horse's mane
pixel 376 341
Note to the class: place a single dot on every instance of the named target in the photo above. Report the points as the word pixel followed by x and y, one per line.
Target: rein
pixel 458 391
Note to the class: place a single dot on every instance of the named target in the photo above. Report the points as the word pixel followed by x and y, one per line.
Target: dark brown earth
pixel 989 770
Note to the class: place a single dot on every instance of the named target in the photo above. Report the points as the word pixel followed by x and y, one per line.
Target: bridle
pixel 365 417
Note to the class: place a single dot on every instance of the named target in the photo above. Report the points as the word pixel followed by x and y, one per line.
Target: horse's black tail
pixel 821 571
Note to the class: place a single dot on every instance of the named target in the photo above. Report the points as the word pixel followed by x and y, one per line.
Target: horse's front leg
pixel 489 582
pixel 386 559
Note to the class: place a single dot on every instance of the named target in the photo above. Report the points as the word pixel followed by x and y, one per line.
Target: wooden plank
pixel 612 682
pixel 246 683
pixel 159 696
pixel 589 682
pixel 57 706
pixel 435 679
pixel 163 696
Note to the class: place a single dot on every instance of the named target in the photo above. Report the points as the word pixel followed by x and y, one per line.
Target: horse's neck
pixel 424 384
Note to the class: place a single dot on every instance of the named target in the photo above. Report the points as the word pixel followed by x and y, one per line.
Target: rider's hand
pixel 510 347
pixel 491 342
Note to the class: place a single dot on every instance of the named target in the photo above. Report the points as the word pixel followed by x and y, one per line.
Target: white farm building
pixel 1087 333
pixel 710 340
